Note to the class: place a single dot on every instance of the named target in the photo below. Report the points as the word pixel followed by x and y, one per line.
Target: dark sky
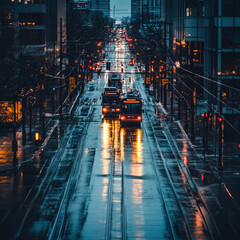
pixel 123 8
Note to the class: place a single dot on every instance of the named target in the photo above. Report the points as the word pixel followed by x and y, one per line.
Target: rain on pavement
pixel 101 180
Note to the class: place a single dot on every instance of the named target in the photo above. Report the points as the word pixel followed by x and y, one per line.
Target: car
pixel 151 90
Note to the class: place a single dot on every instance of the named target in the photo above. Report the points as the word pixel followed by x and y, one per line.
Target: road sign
pixel 165 81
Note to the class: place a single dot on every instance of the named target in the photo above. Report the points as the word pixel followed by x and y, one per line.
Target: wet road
pixel 104 181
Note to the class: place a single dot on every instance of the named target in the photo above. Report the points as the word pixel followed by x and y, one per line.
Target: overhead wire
pixel 215 110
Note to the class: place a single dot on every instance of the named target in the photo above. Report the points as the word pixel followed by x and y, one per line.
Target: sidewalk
pixel 30 151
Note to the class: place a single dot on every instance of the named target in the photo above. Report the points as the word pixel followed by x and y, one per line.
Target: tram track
pixel 209 224
pixel 207 214
pixel 207 219
pixel 171 221
pixel 58 225
pixel 112 192
pixel 48 179
pixel 110 196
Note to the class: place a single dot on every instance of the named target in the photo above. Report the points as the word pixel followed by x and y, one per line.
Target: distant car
pixel 151 90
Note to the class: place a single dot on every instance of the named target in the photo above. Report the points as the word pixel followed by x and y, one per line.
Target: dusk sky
pixel 123 8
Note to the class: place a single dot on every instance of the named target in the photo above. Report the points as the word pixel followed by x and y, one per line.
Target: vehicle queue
pixel 126 106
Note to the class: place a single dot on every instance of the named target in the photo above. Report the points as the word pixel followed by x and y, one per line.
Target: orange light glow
pixel 37 136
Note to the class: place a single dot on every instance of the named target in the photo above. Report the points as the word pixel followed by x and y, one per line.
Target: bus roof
pixel 131 93
pixel 110 89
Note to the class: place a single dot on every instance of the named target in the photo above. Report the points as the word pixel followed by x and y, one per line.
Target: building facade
pixel 101 5
pixel 144 12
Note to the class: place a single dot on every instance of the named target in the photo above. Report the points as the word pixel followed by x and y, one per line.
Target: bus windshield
pixel 115 84
pixel 108 100
pixel 128 108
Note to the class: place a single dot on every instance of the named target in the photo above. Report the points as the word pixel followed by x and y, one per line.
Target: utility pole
pixel 186 116
pixel 192 115
pixel 23 120
pixel 30 122
pixel 179 99
pixel 60 80
pixel 14 142
pixel 172 89
pixel 165 60
pixel 220 124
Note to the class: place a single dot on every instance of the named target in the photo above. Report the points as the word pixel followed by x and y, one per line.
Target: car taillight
pixel 104 109
pixel 139 118
pixel 118 109
pixel 123 117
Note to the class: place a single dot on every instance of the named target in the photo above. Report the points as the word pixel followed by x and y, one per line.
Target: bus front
pixel 110 103
pixel 131 110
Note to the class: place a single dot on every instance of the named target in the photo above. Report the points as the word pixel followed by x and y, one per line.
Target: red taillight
pixel 122 117
pixel 139 118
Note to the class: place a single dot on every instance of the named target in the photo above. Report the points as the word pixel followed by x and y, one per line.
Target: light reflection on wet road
pixel 144 210
pixel 124 186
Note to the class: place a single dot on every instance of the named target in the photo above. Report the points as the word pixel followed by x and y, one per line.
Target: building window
pixel 227 8
pixel 214 63
pixel 26 19
pixel 31 37
pixel 230 63
pixel 32 1
pixel 196 11
pixel 231 38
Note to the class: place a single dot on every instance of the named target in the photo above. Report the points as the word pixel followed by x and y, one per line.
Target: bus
pixel 110 101
pixel 115 80
pixel 131 108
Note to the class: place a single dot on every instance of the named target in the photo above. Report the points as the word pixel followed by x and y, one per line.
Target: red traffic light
pixel 239 146
pixel 90 67
pixel 219 119
pixel 79 75
pixel 205 115
pixel 209 119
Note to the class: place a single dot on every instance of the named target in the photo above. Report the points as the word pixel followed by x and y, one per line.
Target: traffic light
pixel 239 146
pixel 205 116
pixel 220 119
pixel 37 138
pixel 90 67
